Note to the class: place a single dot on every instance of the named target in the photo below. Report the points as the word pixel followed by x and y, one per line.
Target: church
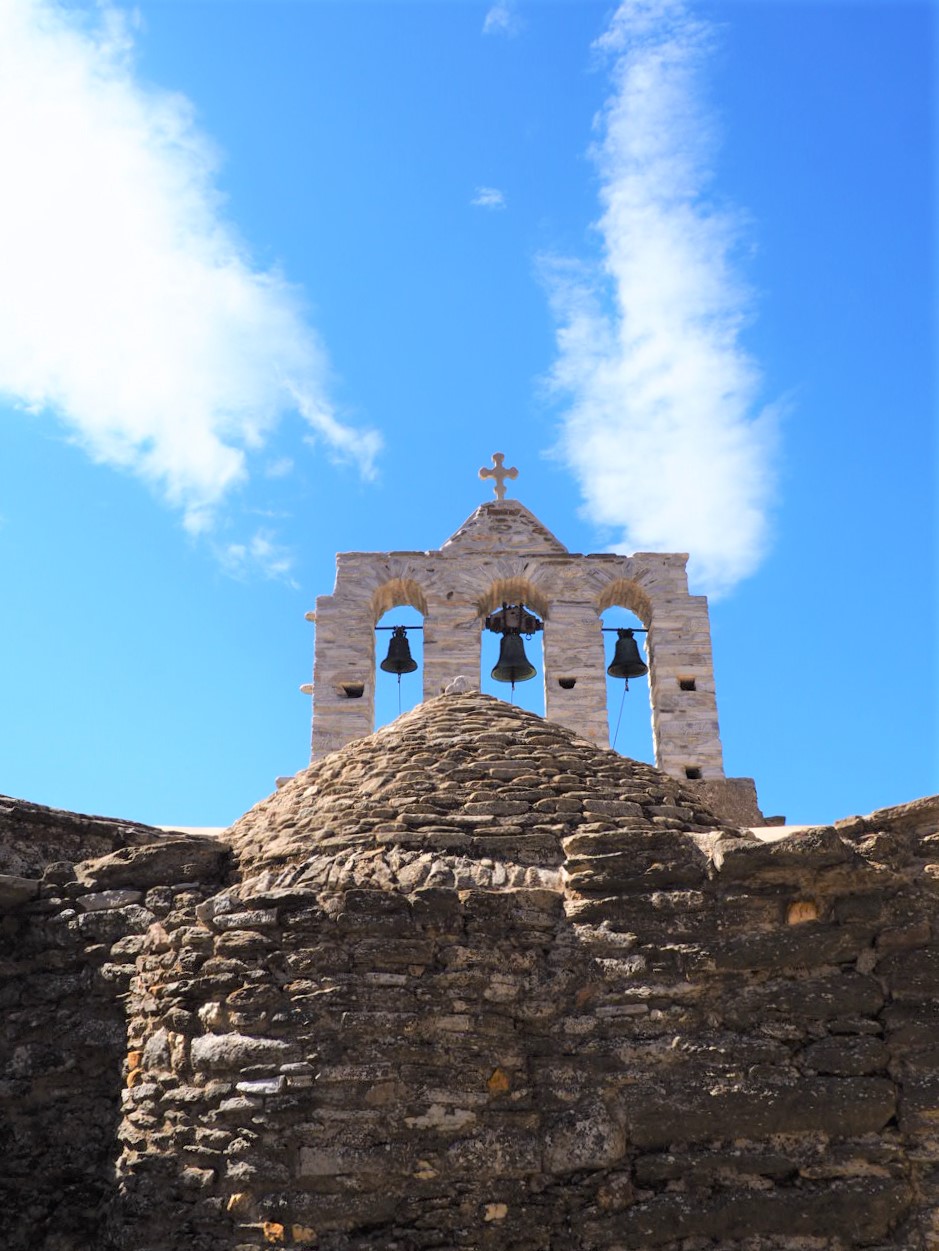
pixel 474 980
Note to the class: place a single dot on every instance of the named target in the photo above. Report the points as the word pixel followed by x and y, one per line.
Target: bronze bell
pixel 627 663
pixel 399 659
pixel 514 666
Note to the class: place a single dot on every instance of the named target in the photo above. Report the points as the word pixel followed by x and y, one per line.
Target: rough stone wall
pixel 69 940
pixel 33 836
pixel 474 983
pixel 504 553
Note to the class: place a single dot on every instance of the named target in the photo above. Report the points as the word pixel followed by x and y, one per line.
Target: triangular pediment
pixel 503 526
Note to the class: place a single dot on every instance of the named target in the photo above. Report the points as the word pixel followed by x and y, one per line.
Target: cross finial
pixel 500 473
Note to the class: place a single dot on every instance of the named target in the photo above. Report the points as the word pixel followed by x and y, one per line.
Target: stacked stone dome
pixel 464 790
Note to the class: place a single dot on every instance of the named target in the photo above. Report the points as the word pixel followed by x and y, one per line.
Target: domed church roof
pixel 463 784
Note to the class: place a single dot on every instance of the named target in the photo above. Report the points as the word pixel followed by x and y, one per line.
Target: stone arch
pixel 395 593
pixel 625 593
pixel 517 590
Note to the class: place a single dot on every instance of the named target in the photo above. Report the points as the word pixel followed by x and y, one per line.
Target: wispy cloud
pixel 260 555
pixel 282 467
pixel 488 197
pixel 502 19
pixel 130 307
pixel 663 427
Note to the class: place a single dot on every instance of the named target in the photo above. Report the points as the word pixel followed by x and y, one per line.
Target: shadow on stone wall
pixel 61 1056
pixel 69 940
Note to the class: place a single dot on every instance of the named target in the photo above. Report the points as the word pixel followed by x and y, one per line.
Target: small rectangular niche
pixel 692 773
pixel 687 684
pixel 352 690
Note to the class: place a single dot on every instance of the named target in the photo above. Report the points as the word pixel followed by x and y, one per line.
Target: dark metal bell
pixel 514 666
pixel 627 663
pixel 399 659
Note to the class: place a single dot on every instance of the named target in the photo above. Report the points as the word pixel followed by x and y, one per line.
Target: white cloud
pixel 282 467
pixel 663 429
pixel 130 308
pixel 502 19
pixel 488 197
pixel 262 554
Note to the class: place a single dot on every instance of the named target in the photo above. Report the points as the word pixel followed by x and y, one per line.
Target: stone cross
pixel 500 473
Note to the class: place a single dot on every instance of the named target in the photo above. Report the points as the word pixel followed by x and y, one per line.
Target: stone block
pixel 100 900
pixel 845 1057
pixel 587 1138
pixel 793 946
pixel 787 860
pixel 166 860
pixel 854 1213
pixel 912 975
pixel 231 1052
pixel 919 1105
pixel 838 1107
pixel 804 999
pixel 16 891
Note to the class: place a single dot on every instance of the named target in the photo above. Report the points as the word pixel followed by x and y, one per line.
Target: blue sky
pixel 277 278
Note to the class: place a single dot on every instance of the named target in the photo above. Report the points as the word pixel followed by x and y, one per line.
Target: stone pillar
pixel 573 648
pixel 452 644
pixel 344 661
pixel 681 676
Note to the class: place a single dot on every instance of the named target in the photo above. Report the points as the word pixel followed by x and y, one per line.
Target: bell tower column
pixel 343 674
pixel 574 671
pixel 452 644
pixel 684 705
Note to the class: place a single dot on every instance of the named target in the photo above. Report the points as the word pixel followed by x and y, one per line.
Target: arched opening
pixel 629 710
pixel 400 603
pixel 528 694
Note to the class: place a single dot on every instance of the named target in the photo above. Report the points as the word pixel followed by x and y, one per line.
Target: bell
pixel 399 659
pixel 627 663
pixel 514 666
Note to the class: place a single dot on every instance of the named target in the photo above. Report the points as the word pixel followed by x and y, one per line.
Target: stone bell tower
pixel 502 553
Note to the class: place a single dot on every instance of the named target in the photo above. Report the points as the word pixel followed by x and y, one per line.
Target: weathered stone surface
pixel 808 852
pixel 227 1052
pixel 845 1056
pixel 98 901
pixel 861 1213
pixel 181 858
pixel 839 1107
pixel 33 837
pixel 586 1138
pixel 807 999
pixel 15 891
pixel 650 859
pixel 912 974
pixel 793 946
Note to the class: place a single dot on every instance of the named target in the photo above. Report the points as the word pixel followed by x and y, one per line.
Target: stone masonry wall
pixel 473 983
pixel 69 940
